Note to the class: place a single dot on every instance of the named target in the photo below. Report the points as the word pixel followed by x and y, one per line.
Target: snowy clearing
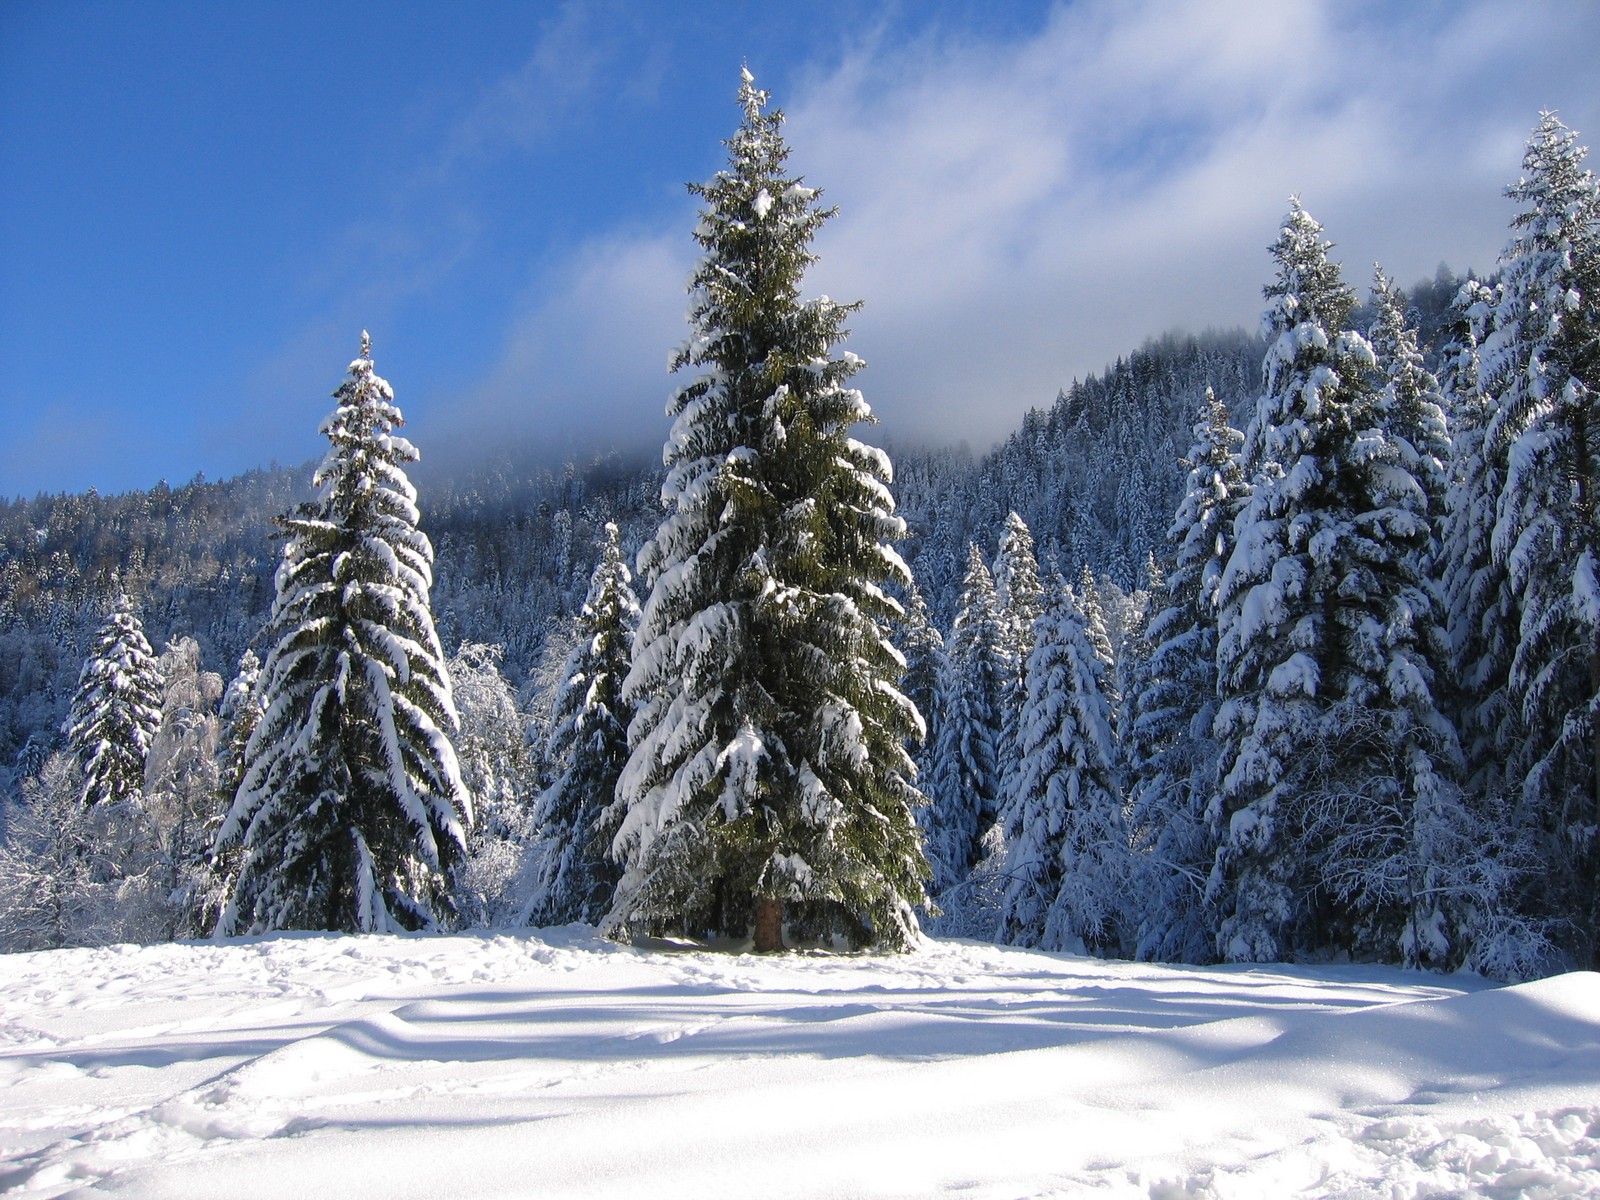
pixel 554 1064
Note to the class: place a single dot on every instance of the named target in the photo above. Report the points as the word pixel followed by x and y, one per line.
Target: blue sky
pixel 202 205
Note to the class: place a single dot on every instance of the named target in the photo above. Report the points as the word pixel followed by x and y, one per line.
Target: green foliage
pixel 351 811
pixel 768 756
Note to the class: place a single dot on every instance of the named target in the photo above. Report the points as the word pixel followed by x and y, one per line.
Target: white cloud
pixel 1017 215
pixel 585 359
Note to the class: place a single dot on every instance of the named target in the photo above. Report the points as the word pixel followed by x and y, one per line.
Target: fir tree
pixel 351 812
pixel 116 710
pixel 1542 364
pixel 923 646
pixel 1336 773
pixel 1021 599
pixel 1482 610
pixel 1089 601
pixel 1174 752
pixel 1017 587
pixel 964 783
pixel 1066 863
pixel 577 816
pixel 1411 406
pixel 240 711
pixel 768 778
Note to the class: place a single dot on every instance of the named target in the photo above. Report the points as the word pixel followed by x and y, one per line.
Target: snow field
pixel 559 1065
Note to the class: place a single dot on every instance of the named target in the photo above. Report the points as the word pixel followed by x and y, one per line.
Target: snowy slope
pixel 557 1065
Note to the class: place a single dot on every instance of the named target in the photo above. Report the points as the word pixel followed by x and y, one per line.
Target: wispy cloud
pixel 1019 218
pixel 428 223
pixel 584 363
pixel 520 110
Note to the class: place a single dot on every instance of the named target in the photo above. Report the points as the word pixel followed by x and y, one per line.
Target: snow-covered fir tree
pixel 1502 854
pixel 1172 749
pixel 1337 768
pixel 116 713
pixel 1482 610
pixel 923 646
pixel 577 816
pixel 1411 405
pixel 1020 597
pixel 351 813
pixel 1067 864
pixel 964 782
pixel 769 781
pixel 1017 588
pixel 240 712
pixel 1089 601
pixel 116 709
pixel 1540 363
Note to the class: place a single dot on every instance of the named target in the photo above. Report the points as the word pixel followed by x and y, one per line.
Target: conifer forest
pixel 1258 646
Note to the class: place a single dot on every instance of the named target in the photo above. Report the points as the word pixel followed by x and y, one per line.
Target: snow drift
pixel 558 1065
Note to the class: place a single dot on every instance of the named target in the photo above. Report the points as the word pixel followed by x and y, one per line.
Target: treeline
pixel 1284 649
pixel 1354 715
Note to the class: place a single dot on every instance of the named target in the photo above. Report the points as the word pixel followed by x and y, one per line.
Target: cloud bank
pixel 1026 192
pixel 1016 215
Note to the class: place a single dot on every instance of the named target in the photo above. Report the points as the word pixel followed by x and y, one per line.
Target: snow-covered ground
pixel 556 1065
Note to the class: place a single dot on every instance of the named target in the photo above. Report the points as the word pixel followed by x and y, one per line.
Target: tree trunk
pixel 769 925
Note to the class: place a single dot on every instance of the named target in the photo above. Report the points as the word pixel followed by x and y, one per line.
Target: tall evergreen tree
pixel 1090 603
pixel 1482 609
pixel 1017 588
pixel 1067 862
pixel 1411 406
pixel 964 782
pixel 116 709
pixel 240 711
pixel 1543 363
pixel 577 816
pixel 1173 750
pixel 1337 766
pixel 768 779
pixel 923 646
pixel 351 813
pixel 1020 598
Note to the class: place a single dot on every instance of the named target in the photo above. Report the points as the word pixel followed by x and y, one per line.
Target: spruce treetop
pixel 1308 349
pixel 1017 586
pixel 1542 356
pixel 1411 402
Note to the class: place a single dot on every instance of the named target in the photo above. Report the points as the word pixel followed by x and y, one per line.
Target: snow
pixel 1585 591
pixel 554 1064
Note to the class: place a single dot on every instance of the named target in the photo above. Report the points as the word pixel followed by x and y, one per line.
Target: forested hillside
pixel 1251 648
pixel 1095 474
